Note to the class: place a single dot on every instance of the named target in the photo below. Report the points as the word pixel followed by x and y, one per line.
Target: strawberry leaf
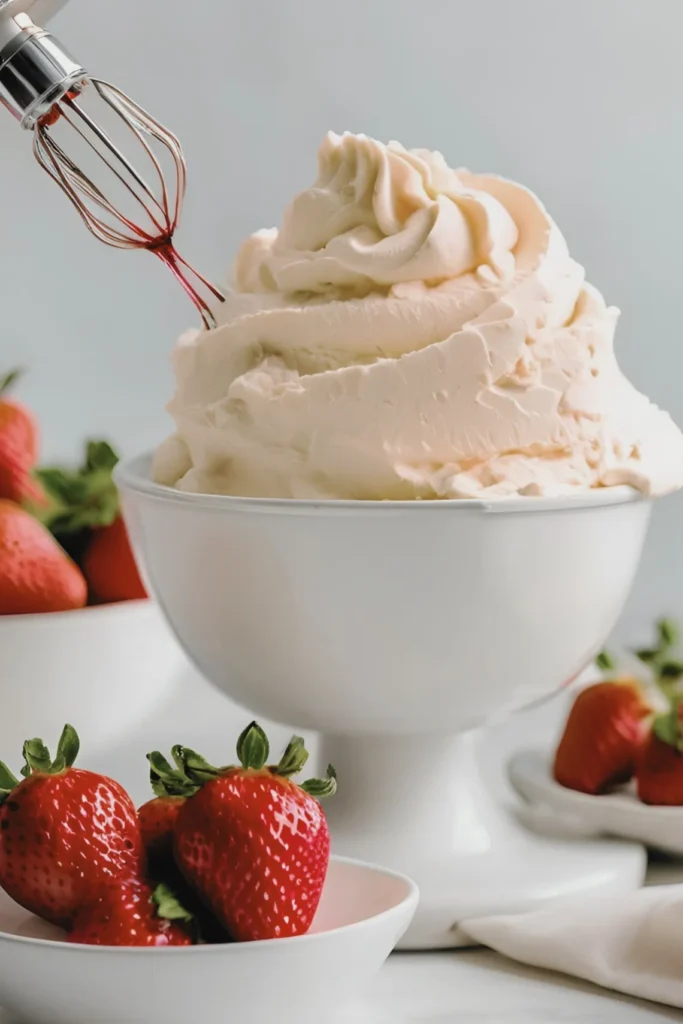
pixel 9 380
pixel 8 781
pixel 253 748
pixel 647 655
pixel 192 767
pixel 605 662
pixel 168 906
pixel 193 762
pixel 177 755
pixel 321 788
pixel 59 484
pixel 665 728
pixel 160 766
pixel 37 756
pixel 294 758
pixel 667 633
pixel 80 499
pixel 167 781
pixel 100 455
pixel 68 747
pixel 671 670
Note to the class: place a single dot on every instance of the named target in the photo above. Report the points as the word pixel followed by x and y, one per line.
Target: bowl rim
pixel 112 609
pixel 134 475
pixel 409 901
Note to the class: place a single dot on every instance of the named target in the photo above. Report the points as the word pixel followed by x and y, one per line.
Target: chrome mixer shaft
pixel 123 171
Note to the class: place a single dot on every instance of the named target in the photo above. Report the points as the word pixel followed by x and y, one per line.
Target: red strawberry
pixel 131 912
pixel 158 816
pixel 110 567
pixel 19 442
pixel 253 843
pixel 63 832
pixel 36 575
pixel 605 731
pixel 157 820
pixel 659 774
pixel 84 517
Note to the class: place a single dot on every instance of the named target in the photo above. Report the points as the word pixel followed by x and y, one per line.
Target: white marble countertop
pixel 479 987
pixel 473 986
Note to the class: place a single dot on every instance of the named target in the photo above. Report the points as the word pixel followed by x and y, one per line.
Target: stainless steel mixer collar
pixel 35 69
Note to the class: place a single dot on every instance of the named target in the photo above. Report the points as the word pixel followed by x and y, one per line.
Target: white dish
pixel 616 814
pixel 101 668
pixel 393 628
pixel 363 913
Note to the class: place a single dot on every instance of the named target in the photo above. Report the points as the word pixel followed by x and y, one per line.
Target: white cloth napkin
pixel 629 942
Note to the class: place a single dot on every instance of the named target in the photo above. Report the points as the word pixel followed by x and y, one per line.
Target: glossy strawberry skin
pixel 61 837
pixel 19 443
pixel 110 566
pixel 122 914
pixel 659 775
pixel 256 848
pixel 603 737
pixel 157 823
pixel 36 575
pixel 17 484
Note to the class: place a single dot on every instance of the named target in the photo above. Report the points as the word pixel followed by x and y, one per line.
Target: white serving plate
pixel 363 913
pixel 616 814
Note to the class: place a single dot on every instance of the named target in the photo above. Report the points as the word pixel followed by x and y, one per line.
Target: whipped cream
pixel 411 331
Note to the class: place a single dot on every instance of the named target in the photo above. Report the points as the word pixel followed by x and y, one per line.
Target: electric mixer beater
pixel 50 95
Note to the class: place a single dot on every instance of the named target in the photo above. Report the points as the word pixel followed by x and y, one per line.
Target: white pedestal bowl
pixel 396 628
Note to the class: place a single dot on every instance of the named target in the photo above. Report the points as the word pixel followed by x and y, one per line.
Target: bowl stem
pixel 417 804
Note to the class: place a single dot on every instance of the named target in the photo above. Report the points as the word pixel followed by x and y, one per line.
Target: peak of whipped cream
pixel 410 331
pixel 378 216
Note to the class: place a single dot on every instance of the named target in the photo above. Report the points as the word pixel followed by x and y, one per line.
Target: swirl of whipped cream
pixel 410 332
pixel 378 216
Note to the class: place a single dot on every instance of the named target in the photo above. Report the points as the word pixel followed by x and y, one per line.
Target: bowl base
pixel 418 805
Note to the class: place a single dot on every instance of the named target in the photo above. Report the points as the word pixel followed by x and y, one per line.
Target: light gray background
pixel 580 99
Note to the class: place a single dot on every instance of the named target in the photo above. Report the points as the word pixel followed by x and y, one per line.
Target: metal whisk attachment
pixel 84 131
pixel 159 211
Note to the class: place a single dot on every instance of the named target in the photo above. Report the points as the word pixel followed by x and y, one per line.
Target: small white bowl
pixel 363 913
pixel 554 807
pixel 100 668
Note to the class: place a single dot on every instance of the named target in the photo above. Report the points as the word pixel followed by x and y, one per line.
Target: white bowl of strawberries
pixel 217 899
pixel 618 766
pixel 79 638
